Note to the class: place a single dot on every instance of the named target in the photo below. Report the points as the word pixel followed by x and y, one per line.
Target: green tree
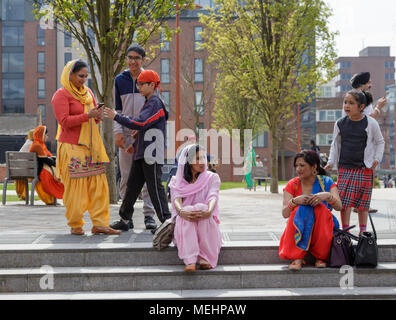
pixel 277 51
pixel 233 110
pixel 115 24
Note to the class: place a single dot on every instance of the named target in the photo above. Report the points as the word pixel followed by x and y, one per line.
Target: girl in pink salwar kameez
pixel 194 195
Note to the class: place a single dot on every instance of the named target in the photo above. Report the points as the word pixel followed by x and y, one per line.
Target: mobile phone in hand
pixel 100 105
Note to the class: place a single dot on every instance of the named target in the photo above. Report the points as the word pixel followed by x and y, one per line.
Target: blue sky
pixel 363 23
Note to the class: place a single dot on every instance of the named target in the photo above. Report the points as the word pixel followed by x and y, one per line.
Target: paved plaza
pixel 245 216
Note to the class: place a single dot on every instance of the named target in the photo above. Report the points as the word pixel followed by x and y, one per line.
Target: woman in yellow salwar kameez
pixel 81 156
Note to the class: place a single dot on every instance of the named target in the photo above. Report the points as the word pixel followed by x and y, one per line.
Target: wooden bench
pixel 21 166
pixel 260 173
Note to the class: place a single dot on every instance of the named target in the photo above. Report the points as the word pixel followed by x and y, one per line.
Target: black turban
pixel 359 79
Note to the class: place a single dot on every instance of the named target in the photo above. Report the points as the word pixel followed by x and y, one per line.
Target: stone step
pixel 216 294
pixel 142 254
pixel 153 278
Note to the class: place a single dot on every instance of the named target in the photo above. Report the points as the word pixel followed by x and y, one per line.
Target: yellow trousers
pixel 21 192
pixel 81 194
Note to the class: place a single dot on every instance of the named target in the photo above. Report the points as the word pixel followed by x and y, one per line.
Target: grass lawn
pixel 12 198
pixel 232 185
pixel 10 186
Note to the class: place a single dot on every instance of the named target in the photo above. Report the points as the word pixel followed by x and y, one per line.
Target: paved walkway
pixel 245 216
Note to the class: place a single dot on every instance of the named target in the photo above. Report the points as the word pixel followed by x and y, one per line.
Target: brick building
pixel 28 71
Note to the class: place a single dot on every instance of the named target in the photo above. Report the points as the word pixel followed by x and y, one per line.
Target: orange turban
pixel 149 76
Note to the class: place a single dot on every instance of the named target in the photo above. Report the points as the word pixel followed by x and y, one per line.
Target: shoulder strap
pixel 320 178
pixel 372 225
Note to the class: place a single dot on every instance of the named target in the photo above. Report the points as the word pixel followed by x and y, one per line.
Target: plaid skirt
pixel 355 187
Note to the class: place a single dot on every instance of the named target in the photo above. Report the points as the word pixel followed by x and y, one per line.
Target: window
pixel 344 65
pixel 40 61
pixel 326 92
pixel 42 109
pixel 13 89
pixel 13 106
pixel 389 64
pixel 40 36
pixel 198 70
pixel 261 141
pixel 205 3
pixel 165 96
pixel 199 105
pixel 165 71
pixel 41 88
pixel 165 44
pixel 91 36
pixel 389 76
pixel 68 57
pixel 13 10
pixel 345 76
pixel 324 139
pixel 67 40
pixel 343 88
pixel 197 38
pixel 329 115
pixel 12 36
pixel 12 62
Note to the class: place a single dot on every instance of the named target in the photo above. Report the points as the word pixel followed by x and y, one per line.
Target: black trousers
pixel 141 173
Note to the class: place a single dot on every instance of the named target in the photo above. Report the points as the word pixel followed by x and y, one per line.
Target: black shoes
pixel 121 225
pixel 150 223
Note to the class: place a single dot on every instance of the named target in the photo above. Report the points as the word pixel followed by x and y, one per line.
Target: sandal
pixel 190 268
pixel 204 265
pixel 77 231
pixel 320 264
pixel 296 265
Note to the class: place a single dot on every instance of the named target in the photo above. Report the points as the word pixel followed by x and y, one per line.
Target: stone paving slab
pixel 246 216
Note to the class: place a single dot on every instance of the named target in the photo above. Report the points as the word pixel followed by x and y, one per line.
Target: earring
pixel 315 172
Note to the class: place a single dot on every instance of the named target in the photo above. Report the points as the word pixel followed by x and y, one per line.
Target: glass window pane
pixel 165 96
pixel 13 10
pixel 13 89
pixel 330 115
pixel 197 37
pixel 322 139
pixel 13 36
pixel 67 40
pixel 165 45
pixel 68 57
pixel 40 36
pixel 40 61
pixel 165 69
pixel 41 88
pixel 198 70
pixel 322 115
pixel 13 62
pixel 199 106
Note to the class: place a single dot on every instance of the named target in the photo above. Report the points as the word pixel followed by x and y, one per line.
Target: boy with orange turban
pixel 146 166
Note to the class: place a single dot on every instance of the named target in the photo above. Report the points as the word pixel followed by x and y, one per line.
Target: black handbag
pixel 341 250
pixel 367 249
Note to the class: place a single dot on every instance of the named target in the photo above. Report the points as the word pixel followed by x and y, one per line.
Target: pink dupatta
pixel 180 188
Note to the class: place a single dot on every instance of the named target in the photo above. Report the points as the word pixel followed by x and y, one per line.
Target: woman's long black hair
pixel 312 158
pixel 191 156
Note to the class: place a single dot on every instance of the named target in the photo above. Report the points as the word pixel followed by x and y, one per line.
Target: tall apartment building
pixel 376 60
pixel 28 73
pixel 381 65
